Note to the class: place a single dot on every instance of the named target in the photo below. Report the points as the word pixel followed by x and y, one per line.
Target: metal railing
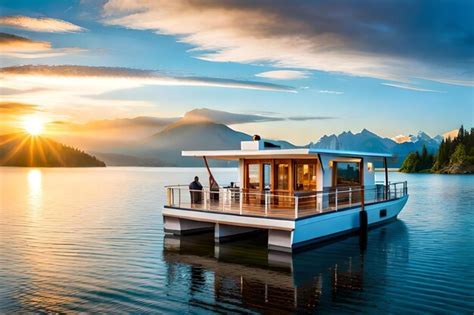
pixel 284 205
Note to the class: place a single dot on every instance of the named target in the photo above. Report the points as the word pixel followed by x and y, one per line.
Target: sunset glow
pixel 33 125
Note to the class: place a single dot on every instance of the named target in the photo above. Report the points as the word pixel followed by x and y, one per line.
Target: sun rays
pixel 39 151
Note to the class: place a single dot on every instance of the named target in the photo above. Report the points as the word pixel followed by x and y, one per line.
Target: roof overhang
pixel 279 153
pixel 248 154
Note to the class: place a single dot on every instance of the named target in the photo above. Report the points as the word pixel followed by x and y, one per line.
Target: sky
pixel 305 68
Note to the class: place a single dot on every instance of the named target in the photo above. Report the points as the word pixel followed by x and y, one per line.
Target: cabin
pixel 299 196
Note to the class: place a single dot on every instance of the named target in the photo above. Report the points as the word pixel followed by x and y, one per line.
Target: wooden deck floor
pixel 258 209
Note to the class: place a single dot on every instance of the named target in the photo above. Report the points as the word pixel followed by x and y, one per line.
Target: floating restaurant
pixel 298 196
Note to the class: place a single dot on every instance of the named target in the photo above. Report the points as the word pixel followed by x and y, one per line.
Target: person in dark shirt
pixel 195 189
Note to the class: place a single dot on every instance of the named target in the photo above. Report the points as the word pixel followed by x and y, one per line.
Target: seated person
pixel 195 189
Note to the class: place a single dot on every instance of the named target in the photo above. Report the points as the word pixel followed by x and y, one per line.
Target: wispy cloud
pixel 43 24
pixel 17 108
pixel 330 92
pixel 112 78
pixel 358 40
pixel 284 74
pixel 410 87
pixel 305 118
pixel 25 48
pixel 228 118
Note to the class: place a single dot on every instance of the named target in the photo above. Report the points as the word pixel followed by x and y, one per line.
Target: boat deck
pixel 282 206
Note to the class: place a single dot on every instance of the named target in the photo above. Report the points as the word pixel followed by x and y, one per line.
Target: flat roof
pixel 280 153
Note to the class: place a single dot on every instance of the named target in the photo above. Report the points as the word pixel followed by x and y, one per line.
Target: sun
pixel 33 125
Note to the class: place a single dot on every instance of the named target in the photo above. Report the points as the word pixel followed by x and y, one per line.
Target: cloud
pixel 25 48
pixel 410 87
pixel 330 92
pixel 304 118
pixel 102 79
pixel 47 25
pixel 14 108
pixel 82 92
pixel 385 40
pixel 228 118
pixel 283 74
pixel 121 124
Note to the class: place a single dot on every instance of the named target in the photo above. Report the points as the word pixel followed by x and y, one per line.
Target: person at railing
pixel 195 189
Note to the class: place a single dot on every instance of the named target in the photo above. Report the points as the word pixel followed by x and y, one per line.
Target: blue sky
pixel 394 68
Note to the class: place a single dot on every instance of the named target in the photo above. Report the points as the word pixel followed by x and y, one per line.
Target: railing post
pixel 179 197
pixel 350 196
pixel 266 204
pixel 336 199
pixel 205 198
pixel 395 188
pixel 241 201
pixel 169 196
pixel 296 207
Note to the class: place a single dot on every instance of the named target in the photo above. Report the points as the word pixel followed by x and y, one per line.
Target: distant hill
pixel 24 150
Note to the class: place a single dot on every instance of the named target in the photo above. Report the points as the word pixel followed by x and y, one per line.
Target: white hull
pixel 283 234
pixel 322 227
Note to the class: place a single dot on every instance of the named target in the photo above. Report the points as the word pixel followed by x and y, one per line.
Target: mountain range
pixel 159 142
pixel 370 142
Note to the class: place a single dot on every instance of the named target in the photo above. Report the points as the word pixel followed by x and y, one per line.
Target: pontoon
pixel 299 196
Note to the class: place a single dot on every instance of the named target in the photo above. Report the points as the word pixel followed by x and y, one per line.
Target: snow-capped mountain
pixel 368 141
pixel 420 136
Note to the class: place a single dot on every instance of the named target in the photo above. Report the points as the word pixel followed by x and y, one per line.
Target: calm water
pixel 91 240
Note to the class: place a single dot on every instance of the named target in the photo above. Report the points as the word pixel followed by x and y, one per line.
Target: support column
pixel 280 240
pixel 179 226
pixel 385 164
pixel 225 233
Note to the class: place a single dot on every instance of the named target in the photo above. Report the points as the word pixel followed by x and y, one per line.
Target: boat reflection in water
pixel 244 273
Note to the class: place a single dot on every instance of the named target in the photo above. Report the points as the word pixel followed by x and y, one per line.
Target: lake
pixel 91 240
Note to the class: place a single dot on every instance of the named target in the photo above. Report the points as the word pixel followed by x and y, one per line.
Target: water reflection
pixel 244 273
pixel 35 190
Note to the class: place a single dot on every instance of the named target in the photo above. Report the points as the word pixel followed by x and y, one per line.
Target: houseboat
pixel 298 196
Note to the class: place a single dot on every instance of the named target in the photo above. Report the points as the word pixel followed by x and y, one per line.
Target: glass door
pixel 267 175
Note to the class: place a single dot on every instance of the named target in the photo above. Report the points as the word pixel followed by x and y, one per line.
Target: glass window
pixel 347 174
pixel 254 176
pixel 282 176
pixel 305 176
pixel 267 169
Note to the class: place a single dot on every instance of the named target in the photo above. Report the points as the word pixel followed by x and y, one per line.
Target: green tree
pixel 459 156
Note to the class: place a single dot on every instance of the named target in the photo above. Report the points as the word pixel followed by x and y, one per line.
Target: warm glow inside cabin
pixel 271 177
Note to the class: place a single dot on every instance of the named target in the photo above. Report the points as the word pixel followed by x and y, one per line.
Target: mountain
pixel 370 142
pixel 167 144
pixel 451 134
pixel 363 141
pixel 420 136
pixel 25 150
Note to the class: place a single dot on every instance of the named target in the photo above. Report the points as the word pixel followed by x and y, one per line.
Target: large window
pixel 253 176
pixel 282 177
pixel 347 174
pixel 305 176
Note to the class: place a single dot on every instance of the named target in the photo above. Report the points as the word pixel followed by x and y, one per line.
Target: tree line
pixel 453 156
